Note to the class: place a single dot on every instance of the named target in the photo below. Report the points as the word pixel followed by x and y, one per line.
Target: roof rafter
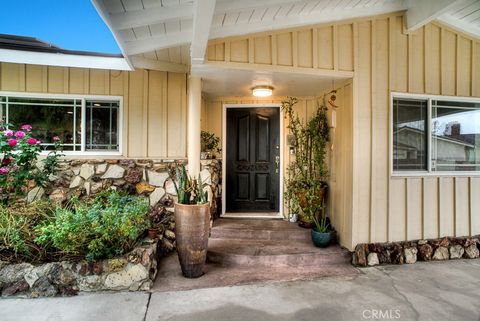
pixel 145 63
pixel 202 21
pixel 158 42
pixel 143 17
pixel 420 13
pixel 303 20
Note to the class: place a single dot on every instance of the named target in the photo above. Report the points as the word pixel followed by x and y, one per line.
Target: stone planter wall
pixel 447 248
pixel 133 271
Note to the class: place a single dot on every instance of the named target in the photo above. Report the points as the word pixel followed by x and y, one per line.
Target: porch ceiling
pixel 220 82
pixel 172 34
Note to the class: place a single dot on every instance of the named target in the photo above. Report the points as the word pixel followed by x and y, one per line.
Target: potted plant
pixel 155 217
pixel 321 233
pixel 192 222
pixel 209 145
pixel 306 183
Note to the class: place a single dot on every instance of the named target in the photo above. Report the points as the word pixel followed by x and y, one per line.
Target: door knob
pixel 277 163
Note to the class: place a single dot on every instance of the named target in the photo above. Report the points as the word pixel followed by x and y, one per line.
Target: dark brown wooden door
pixel 253 159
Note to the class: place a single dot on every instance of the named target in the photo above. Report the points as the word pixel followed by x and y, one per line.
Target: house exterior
pixel 405 152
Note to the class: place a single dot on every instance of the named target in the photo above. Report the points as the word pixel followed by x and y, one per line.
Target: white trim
pixel 429 172
pixel 420 13
pixel 224 158
pixel 83 99
pixel 104 14
pixel 202 21
pixel 63 60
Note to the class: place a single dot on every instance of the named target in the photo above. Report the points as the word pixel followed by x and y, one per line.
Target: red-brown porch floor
pixel 256 251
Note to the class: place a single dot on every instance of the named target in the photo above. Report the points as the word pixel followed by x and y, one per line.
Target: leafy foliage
pixel 308 172
pixel 17 230
pixel 209 142
pixel 20 152
pixel 109 225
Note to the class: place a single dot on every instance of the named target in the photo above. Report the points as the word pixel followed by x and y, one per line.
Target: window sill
pixel 434 174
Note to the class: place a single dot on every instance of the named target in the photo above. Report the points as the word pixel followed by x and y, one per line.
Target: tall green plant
pixel 308 172
pixel 189 190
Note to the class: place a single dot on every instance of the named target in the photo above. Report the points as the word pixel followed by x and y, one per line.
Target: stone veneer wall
pixel 132 272
pixel 447 248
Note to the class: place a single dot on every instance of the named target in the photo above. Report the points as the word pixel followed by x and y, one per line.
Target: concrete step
pixel 268 230
pixel 273 254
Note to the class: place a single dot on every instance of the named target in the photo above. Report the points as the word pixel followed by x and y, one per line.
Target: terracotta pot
pixel 192 228
pixel 152 233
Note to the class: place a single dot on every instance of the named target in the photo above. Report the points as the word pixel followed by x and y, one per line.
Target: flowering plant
pixel 19 168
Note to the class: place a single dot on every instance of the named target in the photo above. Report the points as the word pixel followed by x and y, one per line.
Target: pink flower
pixel 56 138
pixel 8 133
pixel 26 127
pixel 39 142
pixel 3 170
pixel 19 134
pixel 31 141
pixel 6 161
pixel 12 142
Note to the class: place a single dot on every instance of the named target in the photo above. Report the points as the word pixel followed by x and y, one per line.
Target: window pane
pixel 455 136
pixel 102 125
pixel 409 134
pixel 48 118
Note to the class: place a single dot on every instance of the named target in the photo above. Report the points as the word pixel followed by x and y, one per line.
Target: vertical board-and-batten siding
pixel 432 60
pixel 154 102
pixel 340 159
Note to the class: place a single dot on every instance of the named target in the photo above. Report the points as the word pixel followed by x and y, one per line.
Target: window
pixel 83 124
pixel 435 135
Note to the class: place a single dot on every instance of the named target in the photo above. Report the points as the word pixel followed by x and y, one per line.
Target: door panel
pixel 252 180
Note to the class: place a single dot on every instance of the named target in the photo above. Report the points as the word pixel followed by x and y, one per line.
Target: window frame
pixel 429 171
pixel 83 99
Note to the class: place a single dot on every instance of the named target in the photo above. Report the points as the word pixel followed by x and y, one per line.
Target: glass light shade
pixel 262 91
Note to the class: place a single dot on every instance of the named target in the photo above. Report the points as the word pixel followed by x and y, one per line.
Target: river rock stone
pixel 35 194
pixel 157 179
pixel 87 171
pixel 372 259
pixel 441 253
pixel 76 182
pixel 456 251
pixel 96 187
pixel 425 252
pixel 133 175
pixel 472 252
pixel 114 171
pixel 59 195
pixel 101 169
pixel 410 254
pixel 14 288
pixel 170 187
pixel 396 254
pixel 156 196
pixel 144 188
pixel 360 255
pixel 128 279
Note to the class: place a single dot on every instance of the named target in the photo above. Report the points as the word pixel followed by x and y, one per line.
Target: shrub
pixel 17 230
pixel 107 226
pixel 19 153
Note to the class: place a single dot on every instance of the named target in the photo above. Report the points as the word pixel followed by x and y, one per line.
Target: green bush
pixel 104 227
pixel 17 231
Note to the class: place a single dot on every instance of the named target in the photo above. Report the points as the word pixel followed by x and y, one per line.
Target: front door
pixel 253 159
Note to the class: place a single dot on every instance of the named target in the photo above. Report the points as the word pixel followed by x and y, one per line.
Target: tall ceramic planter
pixel 192 228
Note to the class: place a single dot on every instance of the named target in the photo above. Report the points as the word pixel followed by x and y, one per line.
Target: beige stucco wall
pixel 383 58
pixel 154 102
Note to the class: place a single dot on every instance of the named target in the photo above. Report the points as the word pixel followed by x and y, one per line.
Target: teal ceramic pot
pixel 321 239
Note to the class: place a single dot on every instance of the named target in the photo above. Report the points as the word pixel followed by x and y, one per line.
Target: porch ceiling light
pixel 262 91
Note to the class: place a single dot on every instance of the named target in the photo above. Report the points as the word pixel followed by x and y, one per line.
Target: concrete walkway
pixel 423 291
